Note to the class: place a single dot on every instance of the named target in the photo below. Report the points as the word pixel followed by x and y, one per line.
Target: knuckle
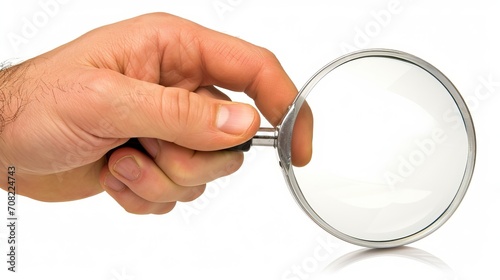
pixel 182 174
pixel 98 86
pixel 98 80
pixel 159 193
pixel 164 208
pixel 138 208
pixel 181 112
pixel 267 55
pixel 156 20
pixel 228 166
pixel 194 193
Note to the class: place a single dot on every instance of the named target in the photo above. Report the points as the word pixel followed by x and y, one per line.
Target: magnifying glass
pixel 394 148
pixel 393 151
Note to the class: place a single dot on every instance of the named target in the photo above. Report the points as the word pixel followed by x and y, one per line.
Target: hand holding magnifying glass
pixel 394 143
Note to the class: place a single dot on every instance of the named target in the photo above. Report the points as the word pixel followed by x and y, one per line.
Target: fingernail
pixel 128 168
pixel 235 118
pixel 111 182
pixel 151 145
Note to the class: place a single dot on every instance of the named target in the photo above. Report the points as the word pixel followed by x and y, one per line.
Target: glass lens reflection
pixel 390 149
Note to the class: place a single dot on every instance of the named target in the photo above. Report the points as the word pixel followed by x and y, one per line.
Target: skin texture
pixel 151 77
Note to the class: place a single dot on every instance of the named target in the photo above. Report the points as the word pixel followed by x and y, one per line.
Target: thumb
pixel 136 108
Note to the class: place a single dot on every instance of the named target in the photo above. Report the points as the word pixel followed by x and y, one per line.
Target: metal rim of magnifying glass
pixel 285 130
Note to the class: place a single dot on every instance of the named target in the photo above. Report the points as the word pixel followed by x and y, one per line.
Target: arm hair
pixel 11 84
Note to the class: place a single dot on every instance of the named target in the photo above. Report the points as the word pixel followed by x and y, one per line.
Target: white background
pixel 247 225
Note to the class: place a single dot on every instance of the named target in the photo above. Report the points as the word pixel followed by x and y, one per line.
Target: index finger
pixel 238 65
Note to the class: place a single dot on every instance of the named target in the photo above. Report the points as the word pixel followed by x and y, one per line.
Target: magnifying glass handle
pixel 265 136
pixel 244 147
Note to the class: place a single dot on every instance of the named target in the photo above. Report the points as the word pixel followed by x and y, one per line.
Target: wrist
pixel 12 95
pixel 12 101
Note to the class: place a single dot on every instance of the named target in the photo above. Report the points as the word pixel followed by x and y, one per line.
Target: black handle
pixel 245 147
pixel 134 143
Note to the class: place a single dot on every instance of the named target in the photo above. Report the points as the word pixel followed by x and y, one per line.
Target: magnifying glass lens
pixel 391 150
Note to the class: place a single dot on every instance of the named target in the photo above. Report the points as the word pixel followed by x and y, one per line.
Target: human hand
pixel 149 77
